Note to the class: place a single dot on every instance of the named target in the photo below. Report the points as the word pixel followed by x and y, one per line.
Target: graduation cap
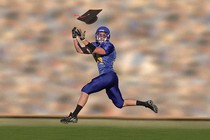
pixel 90 16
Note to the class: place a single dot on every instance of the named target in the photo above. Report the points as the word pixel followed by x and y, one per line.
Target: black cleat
pixel 152 106
pixel 69 119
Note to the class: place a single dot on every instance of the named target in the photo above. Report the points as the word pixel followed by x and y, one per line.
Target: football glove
pixel 81 34
pixel 74 32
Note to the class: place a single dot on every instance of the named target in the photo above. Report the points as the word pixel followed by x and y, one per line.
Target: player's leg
pixel 73 116
pixel 97 84
pixel 132 102
pixel 148 104
pixel 81 103
pixel 115 95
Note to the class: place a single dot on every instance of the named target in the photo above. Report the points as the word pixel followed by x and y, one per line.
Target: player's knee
pixel 90 87
pixel 119 105
pixel 86 89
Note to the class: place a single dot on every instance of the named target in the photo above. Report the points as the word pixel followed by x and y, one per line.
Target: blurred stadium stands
pixel 163 51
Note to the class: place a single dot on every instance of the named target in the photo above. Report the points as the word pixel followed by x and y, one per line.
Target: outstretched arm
pixel 92 48
pixel 78 47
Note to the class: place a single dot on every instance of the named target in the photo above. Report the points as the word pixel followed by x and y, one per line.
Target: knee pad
pixel 119 104
pixel 86 89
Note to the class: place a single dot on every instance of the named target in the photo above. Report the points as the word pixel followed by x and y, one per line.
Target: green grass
pixel 51 129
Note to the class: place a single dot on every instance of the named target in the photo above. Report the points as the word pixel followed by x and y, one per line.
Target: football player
pixel 104 54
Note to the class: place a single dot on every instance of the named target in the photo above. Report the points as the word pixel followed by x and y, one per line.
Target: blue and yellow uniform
pixel 107 78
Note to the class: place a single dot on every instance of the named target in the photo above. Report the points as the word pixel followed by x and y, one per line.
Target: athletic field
pixel 103 129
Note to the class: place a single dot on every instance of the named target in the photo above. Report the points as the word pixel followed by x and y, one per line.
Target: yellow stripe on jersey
pixel 100 59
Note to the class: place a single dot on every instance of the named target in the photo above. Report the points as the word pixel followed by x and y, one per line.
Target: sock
pixel 141 103
pixel 77 110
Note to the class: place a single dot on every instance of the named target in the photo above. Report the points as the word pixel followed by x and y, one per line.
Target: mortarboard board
pixel 90 16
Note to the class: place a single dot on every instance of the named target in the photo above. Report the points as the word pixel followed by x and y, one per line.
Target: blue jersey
pixel 105 62
pixel 107 79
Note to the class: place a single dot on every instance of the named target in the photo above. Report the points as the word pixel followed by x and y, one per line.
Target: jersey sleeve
pixel 108 47
pixel 95 44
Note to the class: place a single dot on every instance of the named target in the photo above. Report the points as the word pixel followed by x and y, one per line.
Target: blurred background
pixel 163 54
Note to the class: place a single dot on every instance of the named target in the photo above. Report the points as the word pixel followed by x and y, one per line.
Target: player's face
pixel 101 36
